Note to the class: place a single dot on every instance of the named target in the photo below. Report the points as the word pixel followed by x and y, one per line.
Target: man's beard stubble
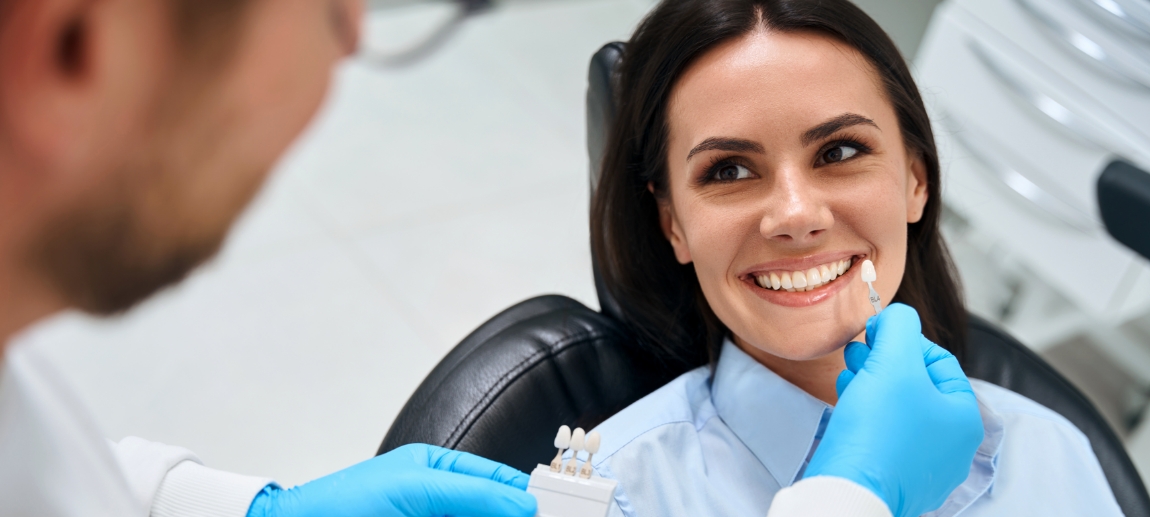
pixel 145 228
pixel 103 258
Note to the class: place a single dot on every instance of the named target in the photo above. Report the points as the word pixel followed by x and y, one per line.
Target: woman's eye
pixel 839 153
pixel 730 172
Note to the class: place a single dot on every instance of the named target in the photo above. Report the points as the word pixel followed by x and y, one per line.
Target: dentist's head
pixel 134 132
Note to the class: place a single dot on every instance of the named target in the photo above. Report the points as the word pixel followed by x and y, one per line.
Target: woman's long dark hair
pixel 661 299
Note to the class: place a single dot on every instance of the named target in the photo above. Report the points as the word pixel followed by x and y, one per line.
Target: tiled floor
pixel 423 201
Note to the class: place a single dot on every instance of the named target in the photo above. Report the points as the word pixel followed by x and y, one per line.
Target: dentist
pixel 134 132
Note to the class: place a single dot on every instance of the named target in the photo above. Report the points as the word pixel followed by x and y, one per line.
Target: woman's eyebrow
pixel 829 127
pixel 735 145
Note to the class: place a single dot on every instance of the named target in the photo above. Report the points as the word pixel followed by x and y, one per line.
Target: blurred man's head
pixel 133 132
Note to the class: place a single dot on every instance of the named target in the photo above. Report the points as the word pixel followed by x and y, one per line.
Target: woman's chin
pixel 796 351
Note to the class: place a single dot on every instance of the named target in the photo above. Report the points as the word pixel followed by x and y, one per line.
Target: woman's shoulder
pixel 682 400
pixel 1043 465
pixel 1018 409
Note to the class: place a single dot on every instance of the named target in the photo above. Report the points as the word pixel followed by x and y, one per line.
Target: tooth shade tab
pixel 868 273
pixel 591 444
pixel 577 439
pixel 799 279
pixel 563 438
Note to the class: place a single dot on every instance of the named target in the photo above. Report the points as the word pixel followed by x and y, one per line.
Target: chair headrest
pixel 600 117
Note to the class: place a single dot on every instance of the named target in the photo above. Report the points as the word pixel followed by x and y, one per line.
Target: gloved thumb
pixel 893 336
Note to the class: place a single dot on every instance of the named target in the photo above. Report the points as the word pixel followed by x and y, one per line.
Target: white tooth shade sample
pixel 576 446
pixel 868 273
pixel 577 439
pixel 591 444
pixel 563 438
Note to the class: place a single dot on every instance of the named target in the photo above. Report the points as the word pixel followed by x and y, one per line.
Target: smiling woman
pixel 751 96
pixel 763 149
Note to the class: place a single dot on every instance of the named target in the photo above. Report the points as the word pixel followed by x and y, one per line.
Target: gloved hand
pixel 907 424
pixel 411 481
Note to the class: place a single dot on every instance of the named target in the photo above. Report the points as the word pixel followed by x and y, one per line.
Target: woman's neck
pixel 815 376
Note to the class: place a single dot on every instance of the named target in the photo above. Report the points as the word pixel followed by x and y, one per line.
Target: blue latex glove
pixel 411 481
pixel 907 424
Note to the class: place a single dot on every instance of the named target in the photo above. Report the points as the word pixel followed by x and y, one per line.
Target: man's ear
pixel 671 228
pixel 917 193
pixel 77 74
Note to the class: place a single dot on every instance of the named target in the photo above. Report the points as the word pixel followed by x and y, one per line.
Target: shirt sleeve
pixel 827 496
pixel 172 482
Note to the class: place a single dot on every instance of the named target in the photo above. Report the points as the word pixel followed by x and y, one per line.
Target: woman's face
pixel 785 156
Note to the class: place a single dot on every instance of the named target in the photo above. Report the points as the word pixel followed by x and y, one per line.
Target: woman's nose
pixel 795 214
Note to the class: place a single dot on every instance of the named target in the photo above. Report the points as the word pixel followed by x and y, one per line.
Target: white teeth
pixel 800 281
pixel 814 279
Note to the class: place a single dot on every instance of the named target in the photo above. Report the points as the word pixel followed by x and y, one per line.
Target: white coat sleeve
pixel 172 482
pixel 827 496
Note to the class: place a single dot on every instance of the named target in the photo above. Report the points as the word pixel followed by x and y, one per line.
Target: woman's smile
pixel 802 282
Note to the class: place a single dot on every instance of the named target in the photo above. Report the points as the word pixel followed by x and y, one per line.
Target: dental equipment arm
pixel 907 424
pixel 411 481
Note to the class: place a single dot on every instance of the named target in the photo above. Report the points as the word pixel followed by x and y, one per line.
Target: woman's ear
pixel 670 225
pixel 917 193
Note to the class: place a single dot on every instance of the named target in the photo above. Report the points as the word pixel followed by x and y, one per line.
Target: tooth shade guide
pixel 562 441
pixel 868 272
pixel 576 446
pixel 592 446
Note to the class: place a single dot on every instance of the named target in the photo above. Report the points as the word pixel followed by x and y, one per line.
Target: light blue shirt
pixel 725 443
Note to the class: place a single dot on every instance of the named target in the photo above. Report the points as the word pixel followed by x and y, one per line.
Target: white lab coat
pixel 54 463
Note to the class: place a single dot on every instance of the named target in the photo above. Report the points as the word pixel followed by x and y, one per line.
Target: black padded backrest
pixel 992 355
pixel 505 389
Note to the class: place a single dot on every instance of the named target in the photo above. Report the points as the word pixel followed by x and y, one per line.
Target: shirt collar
pixel 775 419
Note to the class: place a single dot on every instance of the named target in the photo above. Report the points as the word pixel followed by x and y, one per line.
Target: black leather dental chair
pixel 505 389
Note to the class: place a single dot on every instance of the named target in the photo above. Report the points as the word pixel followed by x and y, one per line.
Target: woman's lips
pixel 799 298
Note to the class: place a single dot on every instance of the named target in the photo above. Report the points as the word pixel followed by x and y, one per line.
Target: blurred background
pixel 446 179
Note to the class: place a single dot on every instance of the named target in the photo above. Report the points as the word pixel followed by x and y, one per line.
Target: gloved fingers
pixel 855 355
pixel 893 336
pixel 948 377
pixel 472 465
pixel 452 493
pixel 845 378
